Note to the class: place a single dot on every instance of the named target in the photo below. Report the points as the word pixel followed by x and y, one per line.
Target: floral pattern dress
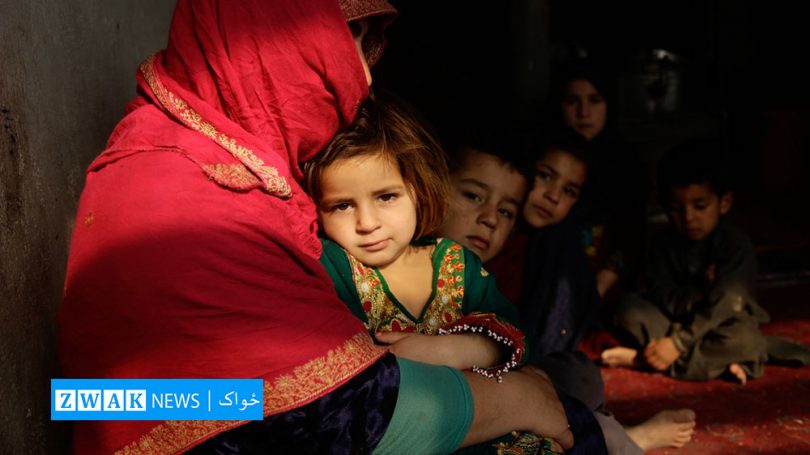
pixel 464 298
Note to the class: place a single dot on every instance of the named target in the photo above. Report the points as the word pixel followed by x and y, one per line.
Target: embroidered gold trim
pixel 385 316
pixel 273 182
pixel 286 392
pixel 318 375
pixel 234 175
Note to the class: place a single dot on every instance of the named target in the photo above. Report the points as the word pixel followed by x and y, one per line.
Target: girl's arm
pixel 485 340
pixel 460 351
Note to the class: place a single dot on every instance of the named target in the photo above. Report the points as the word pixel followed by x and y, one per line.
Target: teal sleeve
pixel 481 293
pixel 433 414
pixel 336 263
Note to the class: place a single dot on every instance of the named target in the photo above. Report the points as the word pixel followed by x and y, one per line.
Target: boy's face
pixel 484 203
pixel 694 210
pixel 558 181
pixel 367 209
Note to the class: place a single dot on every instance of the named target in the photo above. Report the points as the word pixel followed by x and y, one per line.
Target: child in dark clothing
pixel 698 318
pixel 542 265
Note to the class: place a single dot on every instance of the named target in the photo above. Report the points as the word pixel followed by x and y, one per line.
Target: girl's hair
pixel 600 76
pixel 385 126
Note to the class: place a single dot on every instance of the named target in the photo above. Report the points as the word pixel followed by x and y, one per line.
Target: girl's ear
pixel 726 201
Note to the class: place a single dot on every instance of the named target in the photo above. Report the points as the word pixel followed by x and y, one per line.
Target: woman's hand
pixel 525 401
pixel 458 351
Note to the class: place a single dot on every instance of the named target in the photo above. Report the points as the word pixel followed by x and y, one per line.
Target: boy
pixel 697 319
pixel 489 190
pixel 486 199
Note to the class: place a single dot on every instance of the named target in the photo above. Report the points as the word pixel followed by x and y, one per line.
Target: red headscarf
pixel 195 251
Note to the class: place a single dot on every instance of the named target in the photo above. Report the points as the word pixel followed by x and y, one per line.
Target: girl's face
pixel 584 109
pixel 558 181
pixel 367 209
pixel 484 204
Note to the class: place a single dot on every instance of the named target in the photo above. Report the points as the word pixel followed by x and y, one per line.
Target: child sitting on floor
pixel 381 189
pixel 698 318
pixel 489 183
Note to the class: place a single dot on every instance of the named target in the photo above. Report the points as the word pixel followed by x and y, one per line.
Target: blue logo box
pixel 157 399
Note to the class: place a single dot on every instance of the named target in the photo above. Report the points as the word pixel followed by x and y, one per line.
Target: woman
pixel 195 253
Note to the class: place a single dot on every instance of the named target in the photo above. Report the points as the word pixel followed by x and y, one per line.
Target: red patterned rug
pixel 769 415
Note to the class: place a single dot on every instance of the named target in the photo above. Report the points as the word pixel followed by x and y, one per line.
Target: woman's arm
pixel 524 401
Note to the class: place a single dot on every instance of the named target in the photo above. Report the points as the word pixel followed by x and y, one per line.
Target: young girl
pixel 381 190
pixel 611 209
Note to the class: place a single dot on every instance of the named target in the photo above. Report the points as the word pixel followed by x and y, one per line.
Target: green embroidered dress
pixel 464 298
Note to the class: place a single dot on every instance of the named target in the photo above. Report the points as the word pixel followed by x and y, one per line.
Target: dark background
pixel 740 80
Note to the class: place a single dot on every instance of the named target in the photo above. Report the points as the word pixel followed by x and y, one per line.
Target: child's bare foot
pixel 737 371
pixel 670 428
pixel 619 356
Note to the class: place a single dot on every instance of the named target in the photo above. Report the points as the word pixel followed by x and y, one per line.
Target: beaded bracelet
pixel 495 372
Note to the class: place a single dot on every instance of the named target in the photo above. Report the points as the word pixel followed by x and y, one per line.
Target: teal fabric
pixel 433 413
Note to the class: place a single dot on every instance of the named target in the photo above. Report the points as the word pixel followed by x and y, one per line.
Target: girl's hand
pixel 457 351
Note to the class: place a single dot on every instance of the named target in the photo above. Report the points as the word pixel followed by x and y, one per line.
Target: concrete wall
pixel 66 71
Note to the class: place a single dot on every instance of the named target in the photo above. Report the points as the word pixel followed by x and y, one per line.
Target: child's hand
pixel 457 351
pixel 605 279
pixel 661 353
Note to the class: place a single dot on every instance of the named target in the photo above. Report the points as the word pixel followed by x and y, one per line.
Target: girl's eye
pixel 342 207
pixel 389 197
pixel 701 206
pixel 472 196
pixel 571 192
pixel 508 214
pixel 543 175
pixel 595 99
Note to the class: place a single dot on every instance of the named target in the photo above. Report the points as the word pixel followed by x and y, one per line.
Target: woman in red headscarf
pixel 195 252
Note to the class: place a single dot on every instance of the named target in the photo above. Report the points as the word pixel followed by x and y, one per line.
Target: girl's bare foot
pixel 619 356
pixel 737 371
pixel 670 428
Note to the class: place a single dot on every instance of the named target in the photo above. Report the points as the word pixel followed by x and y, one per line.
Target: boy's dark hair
pixel 498 142
pixel 386 125
pixel 565 139
pixel 695 163
pixel 521 151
